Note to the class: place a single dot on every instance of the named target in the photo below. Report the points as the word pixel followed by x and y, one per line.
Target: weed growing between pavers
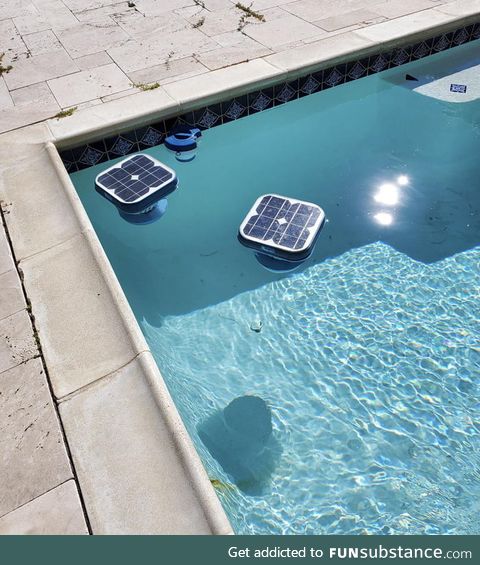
pixel 143 86
pixel 3 69
pixel 65 113
pixel 247 13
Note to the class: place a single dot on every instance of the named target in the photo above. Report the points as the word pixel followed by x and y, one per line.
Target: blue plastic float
pixel 183 141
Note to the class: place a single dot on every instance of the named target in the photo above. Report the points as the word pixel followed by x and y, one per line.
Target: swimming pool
pixel 368 356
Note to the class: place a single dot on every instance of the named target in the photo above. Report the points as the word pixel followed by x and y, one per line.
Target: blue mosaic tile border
pixel 213 115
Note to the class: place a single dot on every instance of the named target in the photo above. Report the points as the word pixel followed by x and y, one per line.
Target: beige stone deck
pixel 38 492
pixel 89 53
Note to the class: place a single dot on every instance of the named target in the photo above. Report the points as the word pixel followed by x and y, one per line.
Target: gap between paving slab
pixel 90 402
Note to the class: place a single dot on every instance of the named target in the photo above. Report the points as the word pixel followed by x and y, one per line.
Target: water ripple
pixel 370 364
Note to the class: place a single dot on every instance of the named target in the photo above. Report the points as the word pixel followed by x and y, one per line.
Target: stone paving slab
pixel 34 458
pixel 136 55
pixel 12 300
pixel 19 116
pixel 404 26
pixel 12 8
pixel 88 85
pixel 13 48
pixel 38 94
pixel 137 26
pixel 57 512
pixel 5 98
pixel 460 7
pixel 46 14
pixel 396 8
pixel 179 68
pixel 343 21
pixel 6 259
pixel 54 220
pixel 17 344
pixel 58 282
pixel 40 68
pixel 42 42
pixel 92 61
pixel 88 38
pixel 286 29
pixel 245 49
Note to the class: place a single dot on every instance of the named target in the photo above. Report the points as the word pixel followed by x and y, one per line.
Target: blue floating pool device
pixel 138 187
pixel 282 231
pixel 183 140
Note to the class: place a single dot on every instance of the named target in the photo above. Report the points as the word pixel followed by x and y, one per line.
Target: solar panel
pixel 135 179
pixel 278 223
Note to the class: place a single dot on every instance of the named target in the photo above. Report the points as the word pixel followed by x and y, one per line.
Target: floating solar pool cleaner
pixel 282 231
pixel 183 140
pixel 138 187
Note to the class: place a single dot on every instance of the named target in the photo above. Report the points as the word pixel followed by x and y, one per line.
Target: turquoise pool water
pixel 369 356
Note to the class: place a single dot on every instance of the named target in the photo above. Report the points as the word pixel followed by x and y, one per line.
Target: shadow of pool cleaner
pixel 241 439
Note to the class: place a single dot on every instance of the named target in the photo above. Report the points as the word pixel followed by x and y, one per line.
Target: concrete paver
pixel 42 42
pixel 12 295
pixel 283 30
pixel 88 85
pixel 39 68
pixel 120 475
pixel 5 98
pixel 34 458
pixel 57 512
pixel 6 259
pixel 48 276
pixel 334 23
pixel 16 340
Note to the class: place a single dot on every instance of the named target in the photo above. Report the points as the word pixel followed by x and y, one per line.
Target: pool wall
pixel 136 465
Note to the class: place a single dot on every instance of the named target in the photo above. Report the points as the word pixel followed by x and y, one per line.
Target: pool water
pixel 369 355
